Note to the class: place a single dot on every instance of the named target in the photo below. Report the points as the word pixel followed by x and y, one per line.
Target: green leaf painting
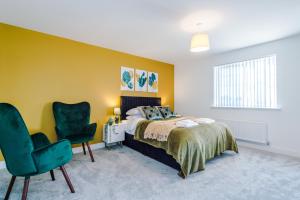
pixel 127 78
pixel 140 80
pixel 152 82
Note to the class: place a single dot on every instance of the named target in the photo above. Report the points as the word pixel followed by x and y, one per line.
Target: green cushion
pixel 76 139
pixel 52 156
pixel 151 113
pixel 166 111
pixel 86 135
pixel 72 122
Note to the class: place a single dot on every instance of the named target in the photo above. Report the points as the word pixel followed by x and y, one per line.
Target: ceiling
pixel 158 29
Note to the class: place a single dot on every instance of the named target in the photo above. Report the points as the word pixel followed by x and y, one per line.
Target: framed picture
pixel 127 78
pixel 152 82
pixel 141 80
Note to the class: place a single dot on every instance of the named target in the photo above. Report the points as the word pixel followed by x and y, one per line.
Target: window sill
pixel 278 108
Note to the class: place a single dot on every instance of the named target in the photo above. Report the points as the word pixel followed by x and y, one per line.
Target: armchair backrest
pixel 71 119
pixel 15 141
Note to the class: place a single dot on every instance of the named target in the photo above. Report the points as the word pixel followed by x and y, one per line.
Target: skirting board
pixel 269 149
pixel 75 151
pixel 93 147
pixel 2 165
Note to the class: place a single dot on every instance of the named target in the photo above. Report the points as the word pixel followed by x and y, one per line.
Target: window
pixel 247 84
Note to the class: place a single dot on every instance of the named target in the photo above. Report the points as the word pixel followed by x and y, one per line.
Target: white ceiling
pixel 158 29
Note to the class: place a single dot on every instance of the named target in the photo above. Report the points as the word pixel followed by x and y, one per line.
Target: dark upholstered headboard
pixel 128 102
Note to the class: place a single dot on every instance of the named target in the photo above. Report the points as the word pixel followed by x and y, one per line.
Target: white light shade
pixel 117 111
pixel 200 42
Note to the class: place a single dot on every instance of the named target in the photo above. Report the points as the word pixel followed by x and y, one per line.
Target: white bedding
pixel 186 123
pixel 134 116
pixel 132 123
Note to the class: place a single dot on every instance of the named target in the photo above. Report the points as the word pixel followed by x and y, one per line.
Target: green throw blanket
pixel 192 147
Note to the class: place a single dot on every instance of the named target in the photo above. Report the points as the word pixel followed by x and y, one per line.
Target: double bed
pixel 186 149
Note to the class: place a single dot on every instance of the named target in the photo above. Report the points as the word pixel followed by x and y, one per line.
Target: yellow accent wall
pixel 37 69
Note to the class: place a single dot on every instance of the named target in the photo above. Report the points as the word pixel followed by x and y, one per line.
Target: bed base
pixel 128 102
pixel 150 151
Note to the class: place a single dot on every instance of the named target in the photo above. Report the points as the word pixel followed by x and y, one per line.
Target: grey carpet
pixel 122 173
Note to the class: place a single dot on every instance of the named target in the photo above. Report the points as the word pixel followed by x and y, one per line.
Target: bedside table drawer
pixel 116 129
pixel 117 136
pixel 114 133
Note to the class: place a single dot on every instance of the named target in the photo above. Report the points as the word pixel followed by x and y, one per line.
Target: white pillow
pixel 131 125
pixel 131 117
pixel 134 111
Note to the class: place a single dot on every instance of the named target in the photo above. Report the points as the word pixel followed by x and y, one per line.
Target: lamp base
pixel 117 119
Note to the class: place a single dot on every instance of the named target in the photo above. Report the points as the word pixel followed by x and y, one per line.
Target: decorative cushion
pixel 151 113
pixel 166 112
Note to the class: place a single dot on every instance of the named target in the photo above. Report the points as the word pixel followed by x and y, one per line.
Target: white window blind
pixel 247 84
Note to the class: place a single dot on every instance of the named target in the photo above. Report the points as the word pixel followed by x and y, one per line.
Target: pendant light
pixel 200 41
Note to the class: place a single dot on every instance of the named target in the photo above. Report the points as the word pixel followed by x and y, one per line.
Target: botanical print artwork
pixel 140 80
pixel 152 82
pixel 127 78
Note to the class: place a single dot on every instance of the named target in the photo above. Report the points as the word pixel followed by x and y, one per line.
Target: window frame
pixel 276 107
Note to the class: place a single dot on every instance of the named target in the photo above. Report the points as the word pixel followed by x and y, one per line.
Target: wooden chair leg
pixel 25 188
pixel 67 179
pixel 84 152
pixel 52 175
pixel 11 184
pixel 90 152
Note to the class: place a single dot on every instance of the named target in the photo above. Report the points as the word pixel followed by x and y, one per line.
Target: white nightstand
pixel 114 134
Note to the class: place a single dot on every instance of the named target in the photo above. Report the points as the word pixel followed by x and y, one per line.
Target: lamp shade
pixel 199 42
pixel 117 111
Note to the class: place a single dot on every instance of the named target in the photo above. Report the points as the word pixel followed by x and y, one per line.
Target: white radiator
pixel 254 132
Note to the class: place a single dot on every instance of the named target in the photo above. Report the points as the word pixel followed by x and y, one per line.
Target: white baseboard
pixel 93 147
pixel 270 149
pixel 75 151
pixel 2 165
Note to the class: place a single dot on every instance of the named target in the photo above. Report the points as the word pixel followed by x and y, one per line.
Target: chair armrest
pixel 90 129
pixel 39 140
pixel 52 156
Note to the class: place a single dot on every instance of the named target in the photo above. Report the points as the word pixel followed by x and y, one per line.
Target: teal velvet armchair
pixel 26 155
pixel 73 123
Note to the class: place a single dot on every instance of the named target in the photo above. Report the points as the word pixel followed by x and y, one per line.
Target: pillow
pixel 134 111
pixel 151 113
pixel 166 112
pixel 132 124
pixel 131 117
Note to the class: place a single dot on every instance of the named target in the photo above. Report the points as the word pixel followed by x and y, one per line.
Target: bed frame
pixel 129 102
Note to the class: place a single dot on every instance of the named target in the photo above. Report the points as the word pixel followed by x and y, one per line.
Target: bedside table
pixel 114 134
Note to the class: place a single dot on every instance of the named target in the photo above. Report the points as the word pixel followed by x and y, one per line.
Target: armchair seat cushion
pixel 79 138
pixel 52 156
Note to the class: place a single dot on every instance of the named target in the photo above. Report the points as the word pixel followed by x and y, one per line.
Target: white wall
pixel 194 92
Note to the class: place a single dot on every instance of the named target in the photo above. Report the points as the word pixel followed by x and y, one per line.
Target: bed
pixel 157 151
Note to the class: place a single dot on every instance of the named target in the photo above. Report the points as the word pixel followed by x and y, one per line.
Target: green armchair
pixel 73 123
pixel 26 155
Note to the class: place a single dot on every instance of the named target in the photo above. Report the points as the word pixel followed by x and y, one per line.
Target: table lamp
pixel 117 113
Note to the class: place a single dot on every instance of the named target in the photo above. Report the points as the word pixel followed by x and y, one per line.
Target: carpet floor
pixel 122 173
